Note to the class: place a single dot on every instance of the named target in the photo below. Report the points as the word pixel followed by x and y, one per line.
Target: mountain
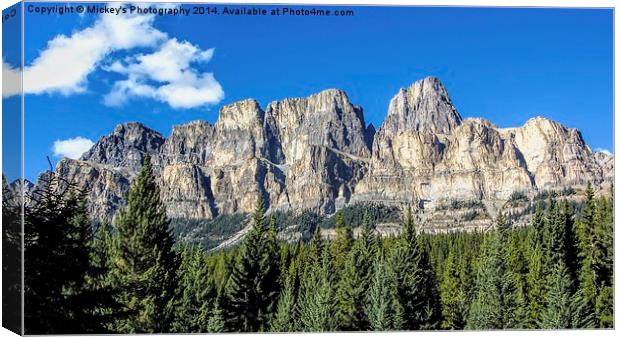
pixel 318 153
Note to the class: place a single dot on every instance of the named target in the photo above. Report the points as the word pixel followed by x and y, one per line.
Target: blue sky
pixel 11 107
pixel 506 65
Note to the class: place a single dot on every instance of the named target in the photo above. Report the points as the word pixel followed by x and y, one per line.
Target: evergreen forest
pixel 132 276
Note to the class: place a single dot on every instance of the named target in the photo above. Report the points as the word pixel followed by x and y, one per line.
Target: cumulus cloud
pixel 170 67
pixel 604 151
pixel 72 148
pixel 64 65
pixel 11 80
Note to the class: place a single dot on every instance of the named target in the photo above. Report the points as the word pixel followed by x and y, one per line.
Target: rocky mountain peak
pixel 133 132
pixel 326 118
pixel 541 122
pixel 330 96
pixel 551 131
pixel 425 105
pixel 125 146
pixel 240 114
pixel 326 101
pixel 315 153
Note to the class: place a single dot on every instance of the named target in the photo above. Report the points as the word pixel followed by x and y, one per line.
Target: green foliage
pixel 241 305
pixel 416 287
pixel 459 204
pixel 207 233
pixel 595 233
pixel 382 308
pixel 270 274
pixel 558 313
pixel 341 245
pixel 353 215
pixel 196 293
pixel 284 320
pixel 517 196
pixel 317 304
pixel 143 262
pixel 351 289
pixel 11 258
pixel 61 274
pixel 453 296
pixel 252 288
pixel 494 302
pixel 215 323
pixel 555 273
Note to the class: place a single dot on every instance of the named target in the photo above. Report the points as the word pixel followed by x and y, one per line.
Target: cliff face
pixel 318 153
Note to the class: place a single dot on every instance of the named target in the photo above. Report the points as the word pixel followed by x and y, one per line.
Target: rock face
pixel 424 106
pixel 317 152
pixel 125 147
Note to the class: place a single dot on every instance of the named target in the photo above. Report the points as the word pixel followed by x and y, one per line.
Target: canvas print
pixel 206 168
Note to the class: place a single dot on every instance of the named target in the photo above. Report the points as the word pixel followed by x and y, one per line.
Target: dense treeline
pixel 132 277
pixel 209 233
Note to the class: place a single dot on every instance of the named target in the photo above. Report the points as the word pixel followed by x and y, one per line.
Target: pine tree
pixel 494 302
pixel 602 256
pixel 368 238
pixel 284 320
pixel 563 310
pixel 350 291
pixel 465 271
pixel 367 247
pixel 538 227
pixel 604 307
pixel 416 286
pixel 316 247
pixel 59 297
pixel 582 315
pixel 536 287
pixel 517 266
pixel 452 296
pixel 98 283
pixel 587 252
pixel 244 304
pixel 558 311
pixel 556 236
pixel 100 254
pixel 215 324
pixel 355 279
pixel 11 258
pixel 317 305
pixel 382 308
pixel 571 243
pixel 342 243
pixel 144 264
pixel 270 286
pixel 196 293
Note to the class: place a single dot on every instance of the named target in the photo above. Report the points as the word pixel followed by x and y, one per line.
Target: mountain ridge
pixel 318 153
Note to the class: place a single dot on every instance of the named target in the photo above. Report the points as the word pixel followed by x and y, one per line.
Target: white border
pixel 485 3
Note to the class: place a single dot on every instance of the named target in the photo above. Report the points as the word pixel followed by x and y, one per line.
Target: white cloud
pixel 604 151
pixel 11 80
pixel 64 65
pixel 72 148
pixel 178 84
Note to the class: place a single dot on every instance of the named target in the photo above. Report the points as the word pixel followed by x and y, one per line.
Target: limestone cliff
pixel 318 153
